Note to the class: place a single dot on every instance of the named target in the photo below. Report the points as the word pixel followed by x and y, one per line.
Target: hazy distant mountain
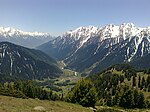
pixel 18 62
pixel 91 49
pixel 27 39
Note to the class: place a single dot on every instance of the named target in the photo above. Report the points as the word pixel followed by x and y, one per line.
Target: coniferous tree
pixel 1 88
pixel 141 103
pixel 136 98
pixel 134 81
pixel 139 82
pixel 127 99
pixel 83 93
pixel 148 81
pixel 24 89
pixel 148 71
pixel 148 87
pixel 116 99
pixel 143 83
pixel 109 100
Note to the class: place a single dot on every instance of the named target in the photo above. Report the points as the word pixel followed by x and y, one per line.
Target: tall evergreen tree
pixel 139 82
pixel 133 81
pixel 83 93
pixel 141 103
pixel 143 83
pixel 148 80
pixel 136 98
pixel 109 100
pixel 127 99
pixel 148 87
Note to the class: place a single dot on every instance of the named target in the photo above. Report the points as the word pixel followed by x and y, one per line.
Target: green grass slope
pixel 11 104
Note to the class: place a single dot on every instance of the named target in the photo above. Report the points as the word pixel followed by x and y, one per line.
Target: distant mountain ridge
pixel 91 49
pixel 17 62
pixel 27 39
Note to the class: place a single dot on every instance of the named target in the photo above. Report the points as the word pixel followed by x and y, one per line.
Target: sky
pixel 59 16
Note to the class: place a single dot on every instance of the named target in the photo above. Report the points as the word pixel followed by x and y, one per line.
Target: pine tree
pixel 83 93
pixel 139 82
pixel 143 83
pixel 1 86
pixel 127 99
pixel 134 81
pixel 116 99
pixel 141 103
pixel 109 100
pixel 148 81
pixel 148 87
pixel 148 71
pixel 136 98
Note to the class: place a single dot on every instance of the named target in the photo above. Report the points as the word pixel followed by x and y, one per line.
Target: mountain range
pixel 86 50
pixel 91 49
pixel 17 62
pixel 27 39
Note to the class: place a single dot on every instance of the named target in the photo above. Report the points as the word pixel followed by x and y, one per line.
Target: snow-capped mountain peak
pixel 82 32
pixel 27 39
pixel 10 31
pixel 113 33
pixel 123 31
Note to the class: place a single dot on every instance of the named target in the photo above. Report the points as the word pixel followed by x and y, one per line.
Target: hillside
pixel 122 81
pixel 11 104
pixel 17 62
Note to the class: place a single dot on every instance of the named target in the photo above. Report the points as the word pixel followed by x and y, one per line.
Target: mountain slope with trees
pixel 122 85
pixel 17 62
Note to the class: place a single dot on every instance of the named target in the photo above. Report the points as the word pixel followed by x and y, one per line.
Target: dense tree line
pixel 128 98
pixel 111 89
pixel 26 89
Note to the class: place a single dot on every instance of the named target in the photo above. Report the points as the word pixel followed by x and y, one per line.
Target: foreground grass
pixel 119 109
pixel 11 104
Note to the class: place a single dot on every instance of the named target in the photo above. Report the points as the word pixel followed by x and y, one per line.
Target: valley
pixel 62 84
